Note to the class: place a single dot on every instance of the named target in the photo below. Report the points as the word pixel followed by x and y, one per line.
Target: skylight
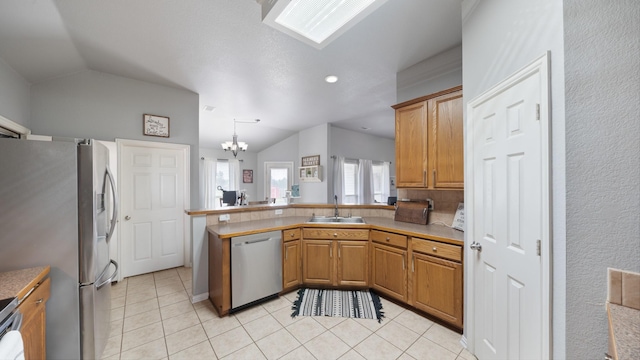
pixel 316 22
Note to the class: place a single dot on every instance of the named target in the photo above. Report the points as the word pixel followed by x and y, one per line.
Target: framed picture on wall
pixel 155 125
pixel 247 176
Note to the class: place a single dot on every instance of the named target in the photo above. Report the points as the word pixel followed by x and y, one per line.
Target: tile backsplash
pixel 624 288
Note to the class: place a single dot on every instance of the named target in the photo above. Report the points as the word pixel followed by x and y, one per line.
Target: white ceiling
pixel 220 50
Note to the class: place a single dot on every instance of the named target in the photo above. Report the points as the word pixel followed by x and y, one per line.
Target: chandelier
pixel 234 146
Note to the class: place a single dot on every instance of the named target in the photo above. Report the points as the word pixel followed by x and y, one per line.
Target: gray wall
pixel 313 141
pixel 500 37
pixel 96 105
pixel 439 72
pixel 285 150
pixel 602 72
pixel 14 95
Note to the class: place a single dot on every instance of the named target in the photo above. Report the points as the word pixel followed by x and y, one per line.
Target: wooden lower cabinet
pixel 291 259
pixel 317 262
pixel 335 263
pixel 291 269
pixel 33 328
pixel 389 271
pixel 353 263
pixel 437 287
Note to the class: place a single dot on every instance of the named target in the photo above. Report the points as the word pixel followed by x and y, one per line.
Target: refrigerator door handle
pixel 114 193
pixel 108 281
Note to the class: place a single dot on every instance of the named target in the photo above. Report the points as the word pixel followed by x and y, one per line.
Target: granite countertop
pixel 625 322
pixel 19 282
pixel 433 232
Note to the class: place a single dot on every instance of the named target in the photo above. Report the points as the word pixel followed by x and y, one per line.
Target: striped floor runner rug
pixel 362 304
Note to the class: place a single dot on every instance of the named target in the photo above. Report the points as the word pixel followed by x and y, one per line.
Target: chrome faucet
pixel 335 200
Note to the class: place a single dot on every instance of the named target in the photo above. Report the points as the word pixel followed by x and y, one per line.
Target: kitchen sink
pixel 336 220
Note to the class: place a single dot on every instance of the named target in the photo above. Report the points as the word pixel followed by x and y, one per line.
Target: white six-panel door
pixel 509 223
pixel 153 204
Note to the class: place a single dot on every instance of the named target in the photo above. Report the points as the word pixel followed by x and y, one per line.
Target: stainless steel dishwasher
pixel 256 267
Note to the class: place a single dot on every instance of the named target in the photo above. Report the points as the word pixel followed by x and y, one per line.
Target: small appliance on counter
pixel 416 212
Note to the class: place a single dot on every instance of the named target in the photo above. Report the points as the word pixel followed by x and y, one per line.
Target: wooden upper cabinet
pixel 411 145
pixel 446 141
pixel 429 141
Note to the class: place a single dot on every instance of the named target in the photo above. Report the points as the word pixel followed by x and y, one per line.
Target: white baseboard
pixel 463 341
pixel 199 297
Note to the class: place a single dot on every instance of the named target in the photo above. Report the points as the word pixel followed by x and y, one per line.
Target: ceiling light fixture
pixel 316 22
pixel 208 108
pixel 331 79
pixel 234 146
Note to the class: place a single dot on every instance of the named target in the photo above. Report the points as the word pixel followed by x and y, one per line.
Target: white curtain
pixel 365 179
pixel 386 186
pixel 209 175
pixel 338 178
pixel 234 174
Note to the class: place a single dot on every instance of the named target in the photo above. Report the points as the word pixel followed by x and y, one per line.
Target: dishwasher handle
pixel 253 241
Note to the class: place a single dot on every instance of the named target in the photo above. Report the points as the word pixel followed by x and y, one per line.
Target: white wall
pixel 439 72
pixel 498 38
pixel 602 71
pixel 285 150
pixel 248 160
pixel 14 95
pixel 313 141
pixel 96 105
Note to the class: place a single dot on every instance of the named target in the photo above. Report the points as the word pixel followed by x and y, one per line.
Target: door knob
pixel 476 246
pixel 127 217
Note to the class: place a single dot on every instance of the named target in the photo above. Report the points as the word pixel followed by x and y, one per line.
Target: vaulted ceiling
pixel 220 50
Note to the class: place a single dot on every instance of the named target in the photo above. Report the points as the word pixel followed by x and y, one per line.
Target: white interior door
pixel 510 210
pixel 153 180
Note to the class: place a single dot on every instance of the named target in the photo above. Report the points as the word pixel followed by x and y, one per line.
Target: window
pixel 278 178
pixel 219 173
pixel 359 181
pixel 222 178
pixel 380 174
pixel 351 182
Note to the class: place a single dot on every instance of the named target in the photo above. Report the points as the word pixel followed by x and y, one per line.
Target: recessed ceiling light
pixel 365 128
pixel 316 22
pixel 331 79
pixel 208 108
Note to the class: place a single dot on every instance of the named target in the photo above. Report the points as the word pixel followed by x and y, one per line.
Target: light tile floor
pixel 153 318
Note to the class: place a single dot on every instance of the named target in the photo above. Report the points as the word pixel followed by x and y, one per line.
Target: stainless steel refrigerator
pixel 58 207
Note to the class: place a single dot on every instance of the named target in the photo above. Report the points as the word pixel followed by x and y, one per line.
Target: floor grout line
pixel 170 280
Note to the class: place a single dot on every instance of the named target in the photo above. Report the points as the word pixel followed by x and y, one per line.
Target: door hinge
pixel 537 111
pixel 538 245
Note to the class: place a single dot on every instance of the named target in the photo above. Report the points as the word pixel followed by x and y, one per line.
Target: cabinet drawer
pixel 37 299
pixel 344 234
pixel 447 251
pixel 389 238
pixel 292 234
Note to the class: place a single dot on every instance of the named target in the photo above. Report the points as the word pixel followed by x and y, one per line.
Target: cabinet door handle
pixel 435 249
pixel 402 261
pixel 331 252
pixel 338 252
pixel 335 234
pixel 434 177
pixel 388 238
pixel 413 263
pixel 292 234
pixel 39 301
pixel 424 177
pixel 286 253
